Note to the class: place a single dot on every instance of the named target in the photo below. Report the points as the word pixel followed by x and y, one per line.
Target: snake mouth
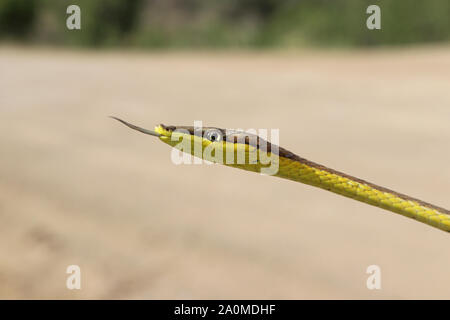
pixel 164 131
pixel 132 126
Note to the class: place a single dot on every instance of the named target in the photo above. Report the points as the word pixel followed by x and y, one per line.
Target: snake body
pixel 304 171
pixel 295 168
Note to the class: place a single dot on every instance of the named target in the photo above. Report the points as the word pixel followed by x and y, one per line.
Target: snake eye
pixel 213 135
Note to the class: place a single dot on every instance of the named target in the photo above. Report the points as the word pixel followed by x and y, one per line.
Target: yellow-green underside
pixel 296 171
pixel 301 172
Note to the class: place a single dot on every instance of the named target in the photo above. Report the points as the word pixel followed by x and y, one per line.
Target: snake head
pixel 234 148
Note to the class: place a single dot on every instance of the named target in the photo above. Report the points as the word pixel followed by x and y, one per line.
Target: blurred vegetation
pixel 219 23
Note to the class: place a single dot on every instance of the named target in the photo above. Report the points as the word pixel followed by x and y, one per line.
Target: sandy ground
pixel 78 188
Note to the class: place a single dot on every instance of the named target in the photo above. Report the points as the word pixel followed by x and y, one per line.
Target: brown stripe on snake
pixel 258 142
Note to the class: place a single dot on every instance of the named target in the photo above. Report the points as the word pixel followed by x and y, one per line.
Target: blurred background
pixel 77 188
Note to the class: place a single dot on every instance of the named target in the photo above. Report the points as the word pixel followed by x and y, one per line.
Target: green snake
pixel 215 145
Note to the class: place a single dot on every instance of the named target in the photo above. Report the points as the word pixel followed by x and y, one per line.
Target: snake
pixel 292 167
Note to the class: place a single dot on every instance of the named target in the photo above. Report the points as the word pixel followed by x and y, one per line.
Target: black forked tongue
pixel 132 126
